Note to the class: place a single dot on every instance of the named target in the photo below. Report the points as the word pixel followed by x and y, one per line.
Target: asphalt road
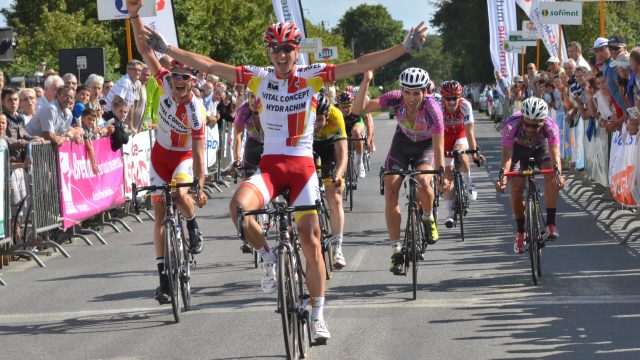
pixel 476 299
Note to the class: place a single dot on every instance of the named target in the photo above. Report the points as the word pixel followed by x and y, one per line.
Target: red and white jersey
pixel 178 123
pixel 454 121
pixel 288 109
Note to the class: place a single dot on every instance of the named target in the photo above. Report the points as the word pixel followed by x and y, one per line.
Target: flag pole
pixel 128 32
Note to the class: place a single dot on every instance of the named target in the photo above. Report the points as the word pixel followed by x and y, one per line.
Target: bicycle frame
pixel 460 196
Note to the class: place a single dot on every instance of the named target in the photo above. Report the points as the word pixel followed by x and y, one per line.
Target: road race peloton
pixel 458 135
pixel 178 153
pixel 329 143
pixel 531 133
pixel 288 96
pixel 419 137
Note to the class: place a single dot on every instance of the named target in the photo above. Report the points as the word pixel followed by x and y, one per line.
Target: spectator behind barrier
pixel 94 83
pixel 51 85
pixel 106 87
pixel 114 118
pixel 54 121
pixel 90 133
pixel 82 101
pixel 138 120
pixel 27 105
pixel 574 51
pixel 127 88
pixel 71 81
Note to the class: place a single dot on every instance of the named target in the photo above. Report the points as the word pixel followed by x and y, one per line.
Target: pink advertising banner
pixel 84 193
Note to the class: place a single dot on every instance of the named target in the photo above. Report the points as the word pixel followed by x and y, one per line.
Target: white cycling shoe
pixel 338 258
pixel 268 280
pixel 320 331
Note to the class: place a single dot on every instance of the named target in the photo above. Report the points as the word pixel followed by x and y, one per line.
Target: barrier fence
pixel 5 209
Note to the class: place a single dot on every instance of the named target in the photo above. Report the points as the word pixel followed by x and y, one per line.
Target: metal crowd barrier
pixel 5 239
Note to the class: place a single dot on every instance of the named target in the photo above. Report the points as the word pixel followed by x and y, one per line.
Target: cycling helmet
pixel 535 109
pixel 414 78
pixel 345 98
pixel 431 88
pixel 178 65
pixel 323 103
pixel 282 33
pixel 450 88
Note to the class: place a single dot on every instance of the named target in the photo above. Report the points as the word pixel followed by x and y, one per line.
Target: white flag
pixel 549 34
pixel 291 11
pixel 502 20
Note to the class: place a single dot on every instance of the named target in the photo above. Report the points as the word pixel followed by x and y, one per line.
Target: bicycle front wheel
pixel 414 222
pixel 172 266
pixel 460 189
pixel 287 302
pixel 532 240
pixel 185 271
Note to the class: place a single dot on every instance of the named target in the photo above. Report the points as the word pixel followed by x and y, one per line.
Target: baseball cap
pixel 616 40
pixel 517 78
pixel 553 59
pixel 623 60
pixel 600 42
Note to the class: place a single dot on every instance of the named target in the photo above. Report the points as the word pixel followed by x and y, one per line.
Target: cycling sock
pixel 396 245
pixel 427 216
pixel 520 224
pixel 337 240
pixel 467 177
pixel 317 307
pixel 447 206
pixel 160 264
pixel 551 216
pixel 191 222
pixel 266 254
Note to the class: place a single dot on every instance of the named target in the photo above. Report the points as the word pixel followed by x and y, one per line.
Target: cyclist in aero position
pixel 329 143
pixel 526 134
pixel 419 138
pixel 458 135
pixel 288 96
pixel 355 125
pixel 178 153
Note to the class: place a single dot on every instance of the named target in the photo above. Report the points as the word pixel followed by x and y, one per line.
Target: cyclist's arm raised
pixel 196 61
pixel 133 6
pixel 360 104
pixel 412 42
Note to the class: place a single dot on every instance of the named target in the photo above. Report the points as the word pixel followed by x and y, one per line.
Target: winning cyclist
pixel 248 119
pixel 458 135
pixel 288 95
pixel 329 143
pixel 526 134
pixel 419 137
pixel 178 153
pixel 355 125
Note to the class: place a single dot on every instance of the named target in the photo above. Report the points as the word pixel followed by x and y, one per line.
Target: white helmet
pixel 535 108
pixel 414 78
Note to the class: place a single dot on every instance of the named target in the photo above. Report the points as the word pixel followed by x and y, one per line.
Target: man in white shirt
pixel 126 89
pixel 53 122
pixel 574 50
pixel 51 85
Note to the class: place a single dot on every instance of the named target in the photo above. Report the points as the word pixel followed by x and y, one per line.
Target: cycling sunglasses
pixel 178 76
pixel 614 48
pixel 278 49
pixel 450 98
pixel 532 126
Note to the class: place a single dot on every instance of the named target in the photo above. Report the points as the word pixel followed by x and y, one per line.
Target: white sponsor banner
pixel 117 9
pixel 163 21
pixel 561 12
pixel 137 161
pixel 291 11
pixel 502 20
pixel 327 53
pixel 311 45
pixel 549 34
pixel 212 139
pixel 3 176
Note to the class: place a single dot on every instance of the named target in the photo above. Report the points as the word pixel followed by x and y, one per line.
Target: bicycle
pixel 179 261
pixel 292 297
pixel 460 189
pixel 416 236
pixel 324 216
pixel 246 248
pixel 351 175
pixel 534 220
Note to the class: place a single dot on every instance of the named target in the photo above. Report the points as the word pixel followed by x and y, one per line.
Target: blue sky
pixel 411 12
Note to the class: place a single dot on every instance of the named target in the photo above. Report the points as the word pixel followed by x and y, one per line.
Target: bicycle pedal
pixel 319 342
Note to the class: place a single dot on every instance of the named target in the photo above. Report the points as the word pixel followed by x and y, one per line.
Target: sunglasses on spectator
pixel 530 68
pixel 24 98
pixel 450 98
pixel 179 76
pixel 532 126
pixel 614 47
pixel 278 49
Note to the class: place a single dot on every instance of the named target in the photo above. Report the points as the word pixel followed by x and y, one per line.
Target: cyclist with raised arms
pixel 526 134
pixel 419 138
pixel 178 153
pixel 356 128
pixel 288 96
pixel 459 134
pixel 329 143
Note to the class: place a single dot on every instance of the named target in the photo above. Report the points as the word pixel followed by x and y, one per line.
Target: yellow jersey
pixel 334 128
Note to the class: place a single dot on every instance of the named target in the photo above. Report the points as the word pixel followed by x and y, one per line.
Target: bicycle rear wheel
pixel 532 240
pixel 460 189
pixel 287 302
pixel 414 222
pixel 539 226
pixel 172 264
pixel 185 271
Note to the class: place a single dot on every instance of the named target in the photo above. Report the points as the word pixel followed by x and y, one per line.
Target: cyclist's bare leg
pixel 551 191
pixel 448 173
pixel 425 191
pixel 309 230
pixel 334 198
pixel 158 227
pixel 184 201
pixel 517 196
pixel 357 132
pixel 392 184
pixel 247 198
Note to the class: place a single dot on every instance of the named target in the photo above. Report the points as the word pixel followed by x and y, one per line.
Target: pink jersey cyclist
pixel 514 137
pixel 427 122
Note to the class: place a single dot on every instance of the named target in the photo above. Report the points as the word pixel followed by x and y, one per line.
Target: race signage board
pixel 327 53
pixel 311 45
pixel 117 9
pixel 560 12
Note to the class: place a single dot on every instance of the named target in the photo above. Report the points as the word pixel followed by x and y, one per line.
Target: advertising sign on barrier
pixel 624 178
pixel 2 191
pixel 211 145
pixel 561 12
pixel 83 193
pixel 137 159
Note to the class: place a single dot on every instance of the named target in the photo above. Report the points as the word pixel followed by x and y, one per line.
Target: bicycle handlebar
pixel 194 185
pixel 461 152
pixel 278 209
pixel 531 172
